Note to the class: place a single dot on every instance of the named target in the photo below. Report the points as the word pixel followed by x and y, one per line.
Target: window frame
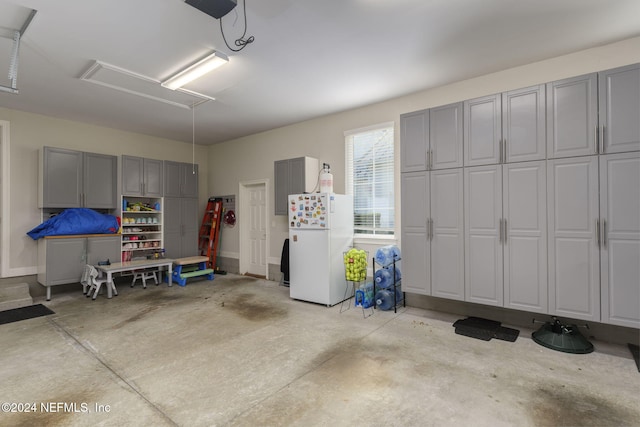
pixel 372 232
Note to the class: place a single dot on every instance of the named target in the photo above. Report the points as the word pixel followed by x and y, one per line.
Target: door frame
pixel 243 193
pixel 4 199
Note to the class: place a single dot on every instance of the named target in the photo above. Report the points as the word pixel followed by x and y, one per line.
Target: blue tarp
pixel 76 221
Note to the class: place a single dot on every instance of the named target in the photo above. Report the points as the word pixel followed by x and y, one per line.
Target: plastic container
pixel 385 300
pixel 385 255
pixel 384 277
pixel 326 179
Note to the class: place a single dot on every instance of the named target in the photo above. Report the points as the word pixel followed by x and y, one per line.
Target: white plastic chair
pixel 92 281
pixel 144 275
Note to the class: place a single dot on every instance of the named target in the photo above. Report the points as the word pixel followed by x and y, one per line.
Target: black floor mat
pixel 635 351
pixel 484 329
pixel 23 313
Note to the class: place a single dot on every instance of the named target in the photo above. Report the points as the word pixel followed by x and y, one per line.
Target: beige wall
pixel 30 132
pixel 252 157
pixel 249 158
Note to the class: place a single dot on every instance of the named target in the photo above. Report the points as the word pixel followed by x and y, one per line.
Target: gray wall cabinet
pixel 551 204
pixel 181 227
pixel 180 179
pixel 293 176
pixel 505 128
pixel 62 260
pixel 432 139
pixel 141 177
pixel 74 179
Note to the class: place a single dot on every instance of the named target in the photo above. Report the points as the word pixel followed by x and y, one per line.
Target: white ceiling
pixel 310 57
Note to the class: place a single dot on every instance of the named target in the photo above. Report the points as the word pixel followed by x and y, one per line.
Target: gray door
pixel 482 130
pixel 414 141
pixel 62 178
pixel 132 178
pixel 66 259
pixel 152 181
pixel 416 273
pixel 190 227
pixel 572 117
pixel 619 111
pixel 524 124
pixel 100 173
pixel 102 249
pixel 171 176
pixel 189 180
pixel 172 227
pixel 445 136
pixel 281 186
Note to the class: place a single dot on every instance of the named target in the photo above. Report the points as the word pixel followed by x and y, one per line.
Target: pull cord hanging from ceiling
pixel 241 42
pixel 193 139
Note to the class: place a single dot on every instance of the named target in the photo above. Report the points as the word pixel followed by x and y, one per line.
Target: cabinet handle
pixel 604 233
pixel 500 231
pixel 500 157
pixel 598 232
pixel 595 139
pixel 505 231
pixel 430 159
pixel 504 150
pixel 428 230
pixel 431 228
pixel 602 140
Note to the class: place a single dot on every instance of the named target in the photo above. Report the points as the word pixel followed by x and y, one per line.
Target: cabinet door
pixel 415 238
pixel 525 236
pixel 572 117
pixel 414 141
pixel 62 178
pixel 620 247
pixel 171 177
pixel 132 176
pixel 482 130
pixel 574 273
pixel 172 227
pixel 296 177
pixel 281 186
pixel 189 180
pixel 447 242
pixel 445 136
pixel 152 181
pixel 65 261
pixel 102 249
pixel 100 181
pixel 619 111
pixel 483 246
pixel 524 124
pixel 190 226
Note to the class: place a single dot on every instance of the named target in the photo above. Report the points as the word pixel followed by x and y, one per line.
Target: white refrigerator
pixel 320 231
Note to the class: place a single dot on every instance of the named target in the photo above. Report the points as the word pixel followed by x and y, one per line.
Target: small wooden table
pixel 118 267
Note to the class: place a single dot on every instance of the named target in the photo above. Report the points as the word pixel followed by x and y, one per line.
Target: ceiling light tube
pixel 195 71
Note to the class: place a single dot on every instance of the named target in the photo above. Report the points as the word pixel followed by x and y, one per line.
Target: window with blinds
pixel 369 178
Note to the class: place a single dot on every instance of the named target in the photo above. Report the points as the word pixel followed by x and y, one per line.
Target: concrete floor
pixel 238 351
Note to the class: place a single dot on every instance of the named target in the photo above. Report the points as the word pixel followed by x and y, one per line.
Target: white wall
pixel 29 133
pixel 252 157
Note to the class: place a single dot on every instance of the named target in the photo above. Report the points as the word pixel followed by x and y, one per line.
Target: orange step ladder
pixel 209 235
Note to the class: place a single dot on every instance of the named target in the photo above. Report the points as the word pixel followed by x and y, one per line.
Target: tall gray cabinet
pixel 74 179
pixel 293 176
pixel 181 216
pixel 431 214
pixel 550 216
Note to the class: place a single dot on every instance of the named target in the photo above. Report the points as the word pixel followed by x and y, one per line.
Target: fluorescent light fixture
pixel 195 71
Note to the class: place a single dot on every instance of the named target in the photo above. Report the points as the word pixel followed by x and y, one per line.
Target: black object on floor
pixel 565 338
pixel 24 313
pixel 484 329
pixel 635 351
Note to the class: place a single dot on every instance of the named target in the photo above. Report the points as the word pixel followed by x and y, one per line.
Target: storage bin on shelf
pixel 387 284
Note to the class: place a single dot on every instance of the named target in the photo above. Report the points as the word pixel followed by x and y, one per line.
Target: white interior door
pixel 257 235
pixel 620 247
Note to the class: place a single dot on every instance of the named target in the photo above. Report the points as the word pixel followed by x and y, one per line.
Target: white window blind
pixel 369 178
